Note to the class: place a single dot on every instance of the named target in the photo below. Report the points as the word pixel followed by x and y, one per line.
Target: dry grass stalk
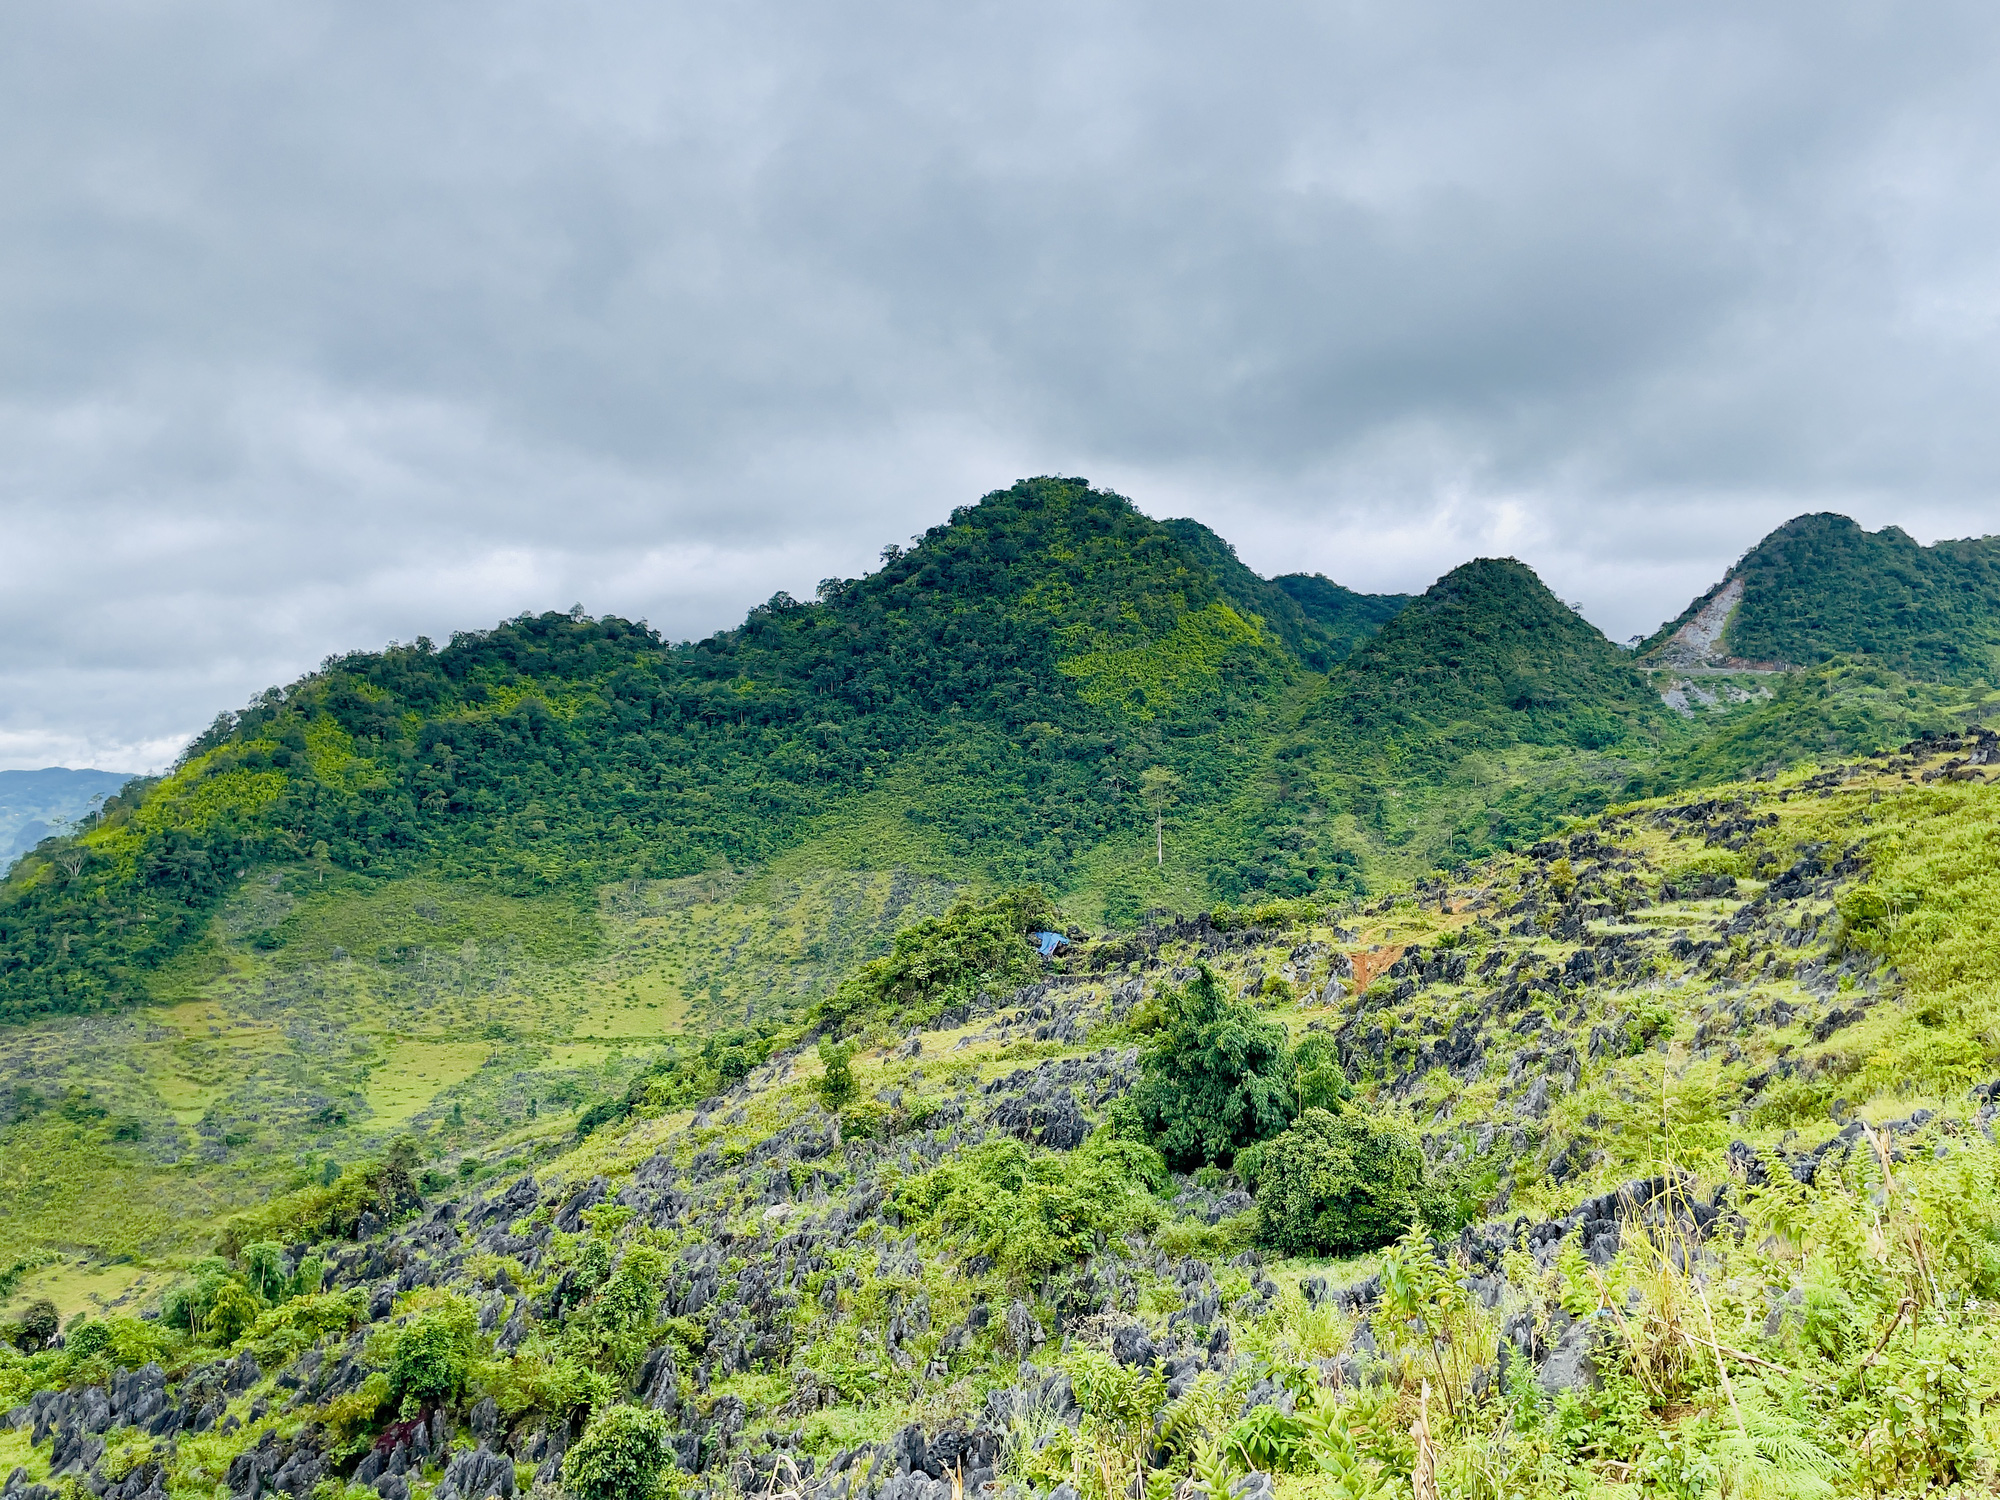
pixel 1423 1482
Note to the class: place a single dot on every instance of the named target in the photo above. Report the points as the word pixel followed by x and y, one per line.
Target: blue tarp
pixel 1048 942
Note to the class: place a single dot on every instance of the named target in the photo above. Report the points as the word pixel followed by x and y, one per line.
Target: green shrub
pixel 1204 1241
pixel 1034 1211
pixel 674 1081
pixel 329 1210
pixel 233 1312
pixel 1319 1081
pixel 138 1341
pixel 622 1455
pixel 350 1419
pixel 11 1277
pixel 836 1086
pixel 293 1327
pixel 214 1303
pixel 87 1341
pixel 430 1355
pixel 947 959
pixel 537 1380
pixel 264 1269
pixel 614 1330
pixel 1269 1441
pixel 1790 1102
pixel 36 1326
pixel 188 1305
pixel 1217 1080
pixel 1338 1184
pixel 867 1119
pixel 1284 911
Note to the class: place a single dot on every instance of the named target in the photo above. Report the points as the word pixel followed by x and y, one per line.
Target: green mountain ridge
pixel 1051 688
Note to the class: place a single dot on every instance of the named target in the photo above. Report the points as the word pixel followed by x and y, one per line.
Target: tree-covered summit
pixel 1488 657
pixel 1004 683
pixel 1820 586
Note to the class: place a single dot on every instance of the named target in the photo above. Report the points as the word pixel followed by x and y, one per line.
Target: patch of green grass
pixel 65 1186
pixel 481 1022
pixel 17 1451
pixel 388 920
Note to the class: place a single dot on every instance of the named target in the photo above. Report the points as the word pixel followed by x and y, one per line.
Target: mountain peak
pixel 1488 655
pixel 1821 585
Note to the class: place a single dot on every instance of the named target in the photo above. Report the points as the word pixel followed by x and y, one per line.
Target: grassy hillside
pixel 1691 1099
pixel 319 1021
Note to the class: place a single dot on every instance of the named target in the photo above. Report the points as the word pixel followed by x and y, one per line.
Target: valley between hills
pixel 1474 1058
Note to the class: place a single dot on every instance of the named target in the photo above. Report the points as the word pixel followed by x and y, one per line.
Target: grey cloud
pixel 326 324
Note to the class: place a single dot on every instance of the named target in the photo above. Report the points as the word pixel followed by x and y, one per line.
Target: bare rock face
pixel 1701 646
pixel 1699 642
pixel 1569 1366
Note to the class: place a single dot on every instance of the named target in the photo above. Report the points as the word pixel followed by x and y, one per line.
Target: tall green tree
pixel 1217 1079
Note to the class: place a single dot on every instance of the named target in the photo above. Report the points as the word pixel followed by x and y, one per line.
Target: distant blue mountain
pixel 35 804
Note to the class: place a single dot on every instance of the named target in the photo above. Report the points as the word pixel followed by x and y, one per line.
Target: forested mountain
pixel 1003 684
pixel 1033 692
pixel 1820 586
pixel 1488 657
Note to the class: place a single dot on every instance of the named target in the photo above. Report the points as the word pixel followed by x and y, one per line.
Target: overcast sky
pixel 328 324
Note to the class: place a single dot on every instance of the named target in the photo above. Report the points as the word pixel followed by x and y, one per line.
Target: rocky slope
pixel 1728 1035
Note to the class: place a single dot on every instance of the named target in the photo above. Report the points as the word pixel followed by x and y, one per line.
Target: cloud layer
pixel 327 324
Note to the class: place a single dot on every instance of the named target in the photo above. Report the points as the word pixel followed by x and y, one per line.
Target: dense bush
pixel 1340 1183
pixel 428 1357
pixel 212 1301
pixel 836 1085
pixel 1318 1079
pixel 622 1455
pixel 87 1341
pixel 947 960
pixel 612 1331
pixel 1217 1079
pixel 1033 1211
pixel 386 1186
pixel 725 1057
pixel 36 1326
